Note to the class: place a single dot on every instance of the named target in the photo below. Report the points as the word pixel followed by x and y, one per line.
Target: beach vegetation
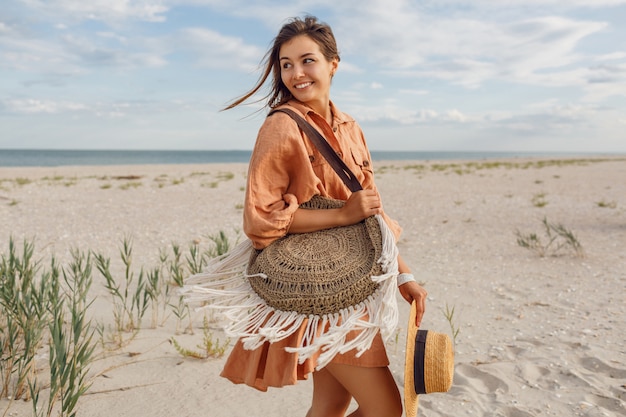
pixel 55 178
pixel 38 307
pixel 462 168
pixel 22 181
pixel 209 348
pixel 180 266
pixel 539 200
pixel 105 186
pixel 13 202
pixel 225 176
pixel 606 204
pixel 454 327
pixel 72 345
pixel 47 308
pixel 556 240
pixel 131 184
pixel 130 295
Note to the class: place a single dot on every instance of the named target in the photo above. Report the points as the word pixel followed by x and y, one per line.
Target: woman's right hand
pixel 361 205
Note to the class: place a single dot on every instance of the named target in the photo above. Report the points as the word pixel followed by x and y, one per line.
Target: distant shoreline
pixel 59 158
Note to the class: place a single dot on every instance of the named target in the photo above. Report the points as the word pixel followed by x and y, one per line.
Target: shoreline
pixel 62 158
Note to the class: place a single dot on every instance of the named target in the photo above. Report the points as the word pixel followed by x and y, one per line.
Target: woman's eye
pixel 286 65
pixel 308 60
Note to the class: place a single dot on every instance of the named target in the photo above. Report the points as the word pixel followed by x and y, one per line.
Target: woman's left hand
pixel 412 291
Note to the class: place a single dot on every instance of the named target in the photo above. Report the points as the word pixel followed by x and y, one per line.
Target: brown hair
pixel 319 32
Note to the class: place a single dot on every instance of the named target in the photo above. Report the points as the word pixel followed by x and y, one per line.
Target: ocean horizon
pixel 58 157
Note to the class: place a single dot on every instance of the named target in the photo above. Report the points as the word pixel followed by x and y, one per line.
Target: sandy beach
pixel 537 335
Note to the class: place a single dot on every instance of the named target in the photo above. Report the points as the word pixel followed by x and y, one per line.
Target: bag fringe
pixel 224 288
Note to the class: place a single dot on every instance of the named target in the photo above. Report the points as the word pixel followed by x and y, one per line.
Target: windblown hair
pixel 319 32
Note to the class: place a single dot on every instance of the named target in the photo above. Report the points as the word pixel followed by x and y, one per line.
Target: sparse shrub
pixel 210 347
pixel 539 200
pixel 454 328
pixel 606 204
pixel 557 239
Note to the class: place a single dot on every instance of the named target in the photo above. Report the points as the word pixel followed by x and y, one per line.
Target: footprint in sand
pixel 479 381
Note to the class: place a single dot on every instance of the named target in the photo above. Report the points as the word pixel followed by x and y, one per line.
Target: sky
pixel 422 75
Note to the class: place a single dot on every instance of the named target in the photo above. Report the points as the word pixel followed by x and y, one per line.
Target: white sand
pixel 539 336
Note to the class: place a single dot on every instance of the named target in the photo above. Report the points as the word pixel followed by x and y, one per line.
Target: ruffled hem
pixel 225 289
pixel 271 365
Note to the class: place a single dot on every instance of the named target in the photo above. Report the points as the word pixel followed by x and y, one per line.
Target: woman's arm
pixel 360 205
pixel 411 290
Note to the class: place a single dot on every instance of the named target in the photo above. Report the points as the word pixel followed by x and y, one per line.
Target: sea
pixel 55 157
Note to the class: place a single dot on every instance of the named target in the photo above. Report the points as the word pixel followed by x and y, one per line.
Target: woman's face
pixel 306 72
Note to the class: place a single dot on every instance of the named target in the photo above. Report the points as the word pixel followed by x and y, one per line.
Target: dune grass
pixel 47 308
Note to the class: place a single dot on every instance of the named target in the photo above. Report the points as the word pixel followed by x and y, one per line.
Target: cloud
pixel 469 52
pixel 397 114
pixel 101 10
pixel 72 52
pixel 91 52
pixel 214 50
pixel 34 106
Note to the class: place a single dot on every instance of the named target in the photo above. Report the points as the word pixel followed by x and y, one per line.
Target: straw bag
pixel 325 271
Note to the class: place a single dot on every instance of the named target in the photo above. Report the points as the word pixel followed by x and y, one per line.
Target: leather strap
pixel 325 149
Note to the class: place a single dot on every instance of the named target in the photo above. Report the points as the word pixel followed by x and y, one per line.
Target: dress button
pixel 340 154
pixel 311 158
pixel 366 163
pixel 334 129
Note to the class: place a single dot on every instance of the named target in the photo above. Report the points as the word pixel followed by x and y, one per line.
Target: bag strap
pixel 325 149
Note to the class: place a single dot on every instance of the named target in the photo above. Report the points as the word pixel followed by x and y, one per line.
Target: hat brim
pixel 411 400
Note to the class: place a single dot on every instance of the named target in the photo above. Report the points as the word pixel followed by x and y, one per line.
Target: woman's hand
pixel 361 205
pixel 413 291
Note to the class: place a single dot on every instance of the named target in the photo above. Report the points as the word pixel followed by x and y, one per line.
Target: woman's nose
pixel 298 71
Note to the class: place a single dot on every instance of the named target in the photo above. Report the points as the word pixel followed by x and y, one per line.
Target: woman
pixel 286 170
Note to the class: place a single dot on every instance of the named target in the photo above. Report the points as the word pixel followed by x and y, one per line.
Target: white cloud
pixel 33 106
pixel 559 4
pixel 103 10
pixel 214 50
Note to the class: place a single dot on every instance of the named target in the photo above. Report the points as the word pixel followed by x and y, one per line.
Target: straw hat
pixel 428 366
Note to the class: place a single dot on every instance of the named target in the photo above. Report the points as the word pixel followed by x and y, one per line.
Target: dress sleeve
pixel 274 185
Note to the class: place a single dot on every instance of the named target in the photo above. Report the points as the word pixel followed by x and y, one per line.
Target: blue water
pixel 50 158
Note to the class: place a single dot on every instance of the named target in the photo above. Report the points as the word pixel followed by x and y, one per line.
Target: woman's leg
pixel 374 389
pixel 330 398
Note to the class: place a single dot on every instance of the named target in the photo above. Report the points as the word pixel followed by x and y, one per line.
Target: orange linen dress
pixel 286 170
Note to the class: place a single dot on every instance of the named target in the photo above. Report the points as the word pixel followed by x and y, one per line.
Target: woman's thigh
pixel 374 389
pixel 330 398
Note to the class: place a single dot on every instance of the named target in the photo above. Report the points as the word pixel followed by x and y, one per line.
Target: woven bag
pixel 320 272
pixel 325 271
